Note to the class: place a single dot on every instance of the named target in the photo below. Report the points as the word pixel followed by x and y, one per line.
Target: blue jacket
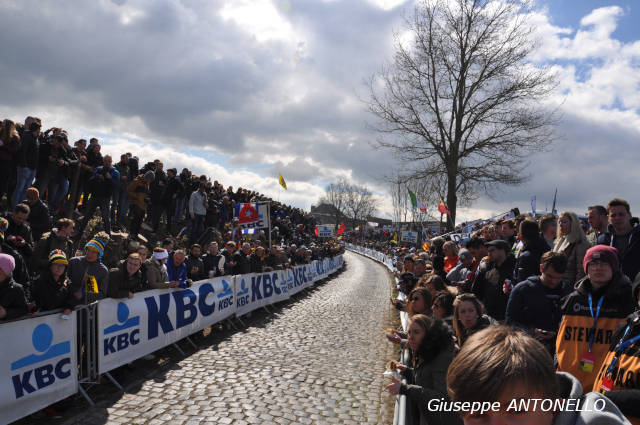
pixel 178 273
pixel 630 260
pixel 532 305
pixel 528 263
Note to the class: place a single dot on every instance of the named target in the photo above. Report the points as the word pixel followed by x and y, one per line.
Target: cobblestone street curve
pixel 317 359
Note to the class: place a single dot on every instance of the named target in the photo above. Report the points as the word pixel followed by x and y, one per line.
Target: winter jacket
pixel 242 263
pixel 102 187
pixel 177 273
pixel 23 231
pixel 575 332
pixel 458 274
pixel 174 187
pixel 426 381
pixel 157 275
pixel 197 263
pixel 158 187
pixel 575 254
pixel 92 278
pixel 488 287
pixel 51 295
pixel 534 306
pixel 606 412
pixel 12 299
pixel 137 191
pixel 625 376
pixel 20 272
pixel 47 243
pixel 27 156
pixel 528 262
pixel 39 219
pixel 630 258
pixel 213 262
pixel 121 282
pixel 124 171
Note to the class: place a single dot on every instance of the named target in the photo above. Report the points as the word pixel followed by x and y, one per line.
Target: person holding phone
pixel 534 304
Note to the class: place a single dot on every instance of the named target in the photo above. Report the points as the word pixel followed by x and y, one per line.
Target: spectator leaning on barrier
pixel 432 347
pixel 533 246
pixel 213 261
pixel 489 285
pixel 572 242
pixel 87 272
pixel 241 258
pixel 591 313
pixel 177 269
pixel 534 304
pixel 157 270
pixel 598 220
pixel 126 279
pixel 506 366
pixel 195 266
pixel 52 290
pixel 13 302
pixel 624 234
pixel 58 238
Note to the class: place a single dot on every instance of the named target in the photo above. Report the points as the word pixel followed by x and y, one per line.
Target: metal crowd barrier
pixel 400 409
pixel 50 356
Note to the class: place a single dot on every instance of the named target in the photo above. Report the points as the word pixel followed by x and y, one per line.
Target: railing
pixel 51 356
pixel 400 410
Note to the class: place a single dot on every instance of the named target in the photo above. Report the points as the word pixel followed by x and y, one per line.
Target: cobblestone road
pixel 317 360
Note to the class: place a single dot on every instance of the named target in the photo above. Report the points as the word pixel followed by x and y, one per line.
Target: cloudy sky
pixel 245 89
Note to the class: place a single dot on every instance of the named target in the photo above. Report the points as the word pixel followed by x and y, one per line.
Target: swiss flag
pixel 341 228
pixel 247 214
pixel 316 231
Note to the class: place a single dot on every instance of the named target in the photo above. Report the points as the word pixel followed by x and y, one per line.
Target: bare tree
pixel 336 196
pixel 360 203
pixel 460 105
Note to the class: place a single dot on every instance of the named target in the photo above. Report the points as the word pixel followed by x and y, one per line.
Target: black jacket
pixel 197 263
pixel 39 219
pixel 211 262
pixel 28 154
pixel 121 283
pixel 528 263
pixel 630 258
pixel 488 287
pixel 50 295
pixel 242 263
pixel 12 299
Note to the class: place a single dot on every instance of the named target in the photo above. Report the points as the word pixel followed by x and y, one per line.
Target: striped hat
pixel 98 243
pixel 57 256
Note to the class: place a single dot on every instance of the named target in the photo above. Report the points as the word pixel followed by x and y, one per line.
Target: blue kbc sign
pixel 56 359
pixel 127 332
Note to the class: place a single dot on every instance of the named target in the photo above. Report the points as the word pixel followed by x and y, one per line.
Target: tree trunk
pixel 452 201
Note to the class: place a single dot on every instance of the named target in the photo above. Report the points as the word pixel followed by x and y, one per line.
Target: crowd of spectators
pixel 554 284
pixel 156 229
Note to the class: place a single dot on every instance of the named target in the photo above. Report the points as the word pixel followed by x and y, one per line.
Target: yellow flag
pixel 282 182
pixel 395 238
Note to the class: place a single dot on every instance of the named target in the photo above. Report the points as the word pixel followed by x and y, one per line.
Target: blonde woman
pixel 573 243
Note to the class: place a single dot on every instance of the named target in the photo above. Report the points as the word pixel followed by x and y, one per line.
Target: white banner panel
pixel 131 328
pixel 39 355
pixel 256 290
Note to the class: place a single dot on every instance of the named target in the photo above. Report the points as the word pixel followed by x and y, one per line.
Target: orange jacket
pixel 576 324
